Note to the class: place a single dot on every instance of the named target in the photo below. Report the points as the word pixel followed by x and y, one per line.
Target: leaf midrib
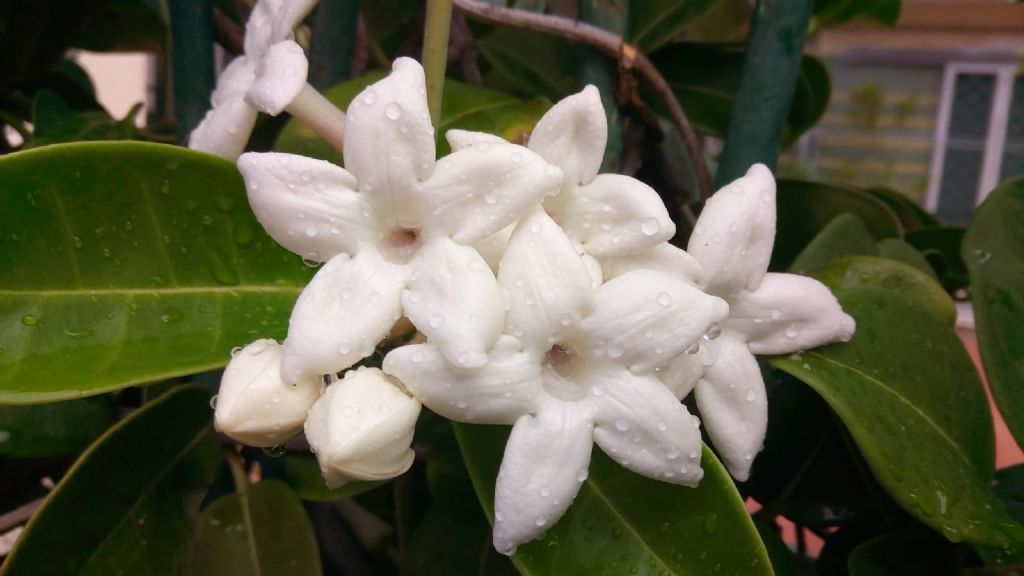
pixel 636 535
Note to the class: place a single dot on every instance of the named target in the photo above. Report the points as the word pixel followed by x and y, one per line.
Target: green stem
pixel 192 60
pixel 435 53
pixel 771 68
pixel 599 70
pixel 334 39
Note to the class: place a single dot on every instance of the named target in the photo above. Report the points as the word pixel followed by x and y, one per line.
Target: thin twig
pixel 19 515
pixel 228 33
pixel 612 45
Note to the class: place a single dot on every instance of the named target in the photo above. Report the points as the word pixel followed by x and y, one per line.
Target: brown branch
pixel 229 34
pixel 612 45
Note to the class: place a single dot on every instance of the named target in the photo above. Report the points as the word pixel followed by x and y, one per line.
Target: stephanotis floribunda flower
pixel 576 365
pixel 769 313
pixel 395 229
pixel 270 78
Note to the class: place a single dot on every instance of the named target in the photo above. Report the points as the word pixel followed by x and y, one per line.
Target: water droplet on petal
pixel 650 227
pixel 393 111
pixel 664 299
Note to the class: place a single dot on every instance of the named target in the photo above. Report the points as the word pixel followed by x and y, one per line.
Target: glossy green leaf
pixel 782 558
pixel 302 473
pixel 903 555
pixel 844 235
pixel 994 252
pixel 912 216
pixel 528 63
pixel 1009 487
pixel 705 77
pixel 836 12
pixel 911 399
pixel 941 248
pixel 53 429
pixel 900 251
pixel 621 521
pixel 264 532
pixel 128 505
pixel 654 23
pixel 806 208
pixel 861 272
pixel 56 122
pixel 464 106
pixel 129 263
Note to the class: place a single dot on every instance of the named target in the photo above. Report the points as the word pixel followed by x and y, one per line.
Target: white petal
pixel 788 313
pixel 477 191
pixel 280 77
pixel 492 248
pixel 642 426
pixel 289 15
pixel 546 461
pixel 341 315
pixel 573 135
pixel 462 139
pixel 389 142
pixel 308 206
pixel 664 258
pixel 616 214
pixel 254 405
pixel 259 29
pixel 234 82
pixel 643 319
pixel 735 233
pixel 454 299
pixel 732 402
pixel 546 283
pixel 362 428
pixel 499 392
pixel 681 374
pixel 225 129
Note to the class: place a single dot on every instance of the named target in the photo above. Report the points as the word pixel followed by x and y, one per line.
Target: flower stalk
pixel 435 53
pixel 317 112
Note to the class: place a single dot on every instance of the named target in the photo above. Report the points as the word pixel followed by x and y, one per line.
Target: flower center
pixel 564 373
pixel 401 243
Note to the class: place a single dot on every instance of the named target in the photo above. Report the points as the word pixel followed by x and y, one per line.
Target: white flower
pixel 268 78
pixel 362 428
pixel 254 405
pixel 576 366
pixel 769 313
pixel 395 230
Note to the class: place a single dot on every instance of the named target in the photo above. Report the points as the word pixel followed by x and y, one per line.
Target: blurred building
pixel 933 107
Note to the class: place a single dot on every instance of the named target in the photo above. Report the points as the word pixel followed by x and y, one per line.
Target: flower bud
pixel 362 427
pixel 254 405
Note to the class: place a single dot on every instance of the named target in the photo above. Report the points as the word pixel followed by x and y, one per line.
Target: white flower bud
pixel 254 405
pixel 362 427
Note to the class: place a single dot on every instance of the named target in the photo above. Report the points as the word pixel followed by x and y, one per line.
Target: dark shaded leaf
pixel 912 216
pixel 302 473
pixel 903 555
pixel 836 12
pixel 845 235
pixel 654 23
pixel 900 251
pixel 53 429
pixel 941 248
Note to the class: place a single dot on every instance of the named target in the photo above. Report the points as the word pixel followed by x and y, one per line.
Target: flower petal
pixel 254 405
pixel 289 15
pixel 546 283
pixel 280 76
pixel 546 460
pixel 308 206
pixel 259 29
pixel 454 299
pixel 225 129
pixel 616 214
pixel 389 142
pixel 664 258
pixel 732 402
pixel 572 135
pixel 462 139
pixel 479 190
pixel 499 392
pixel 362 428
pixel 341 315
pixel 492 248
pixel 643 319
pixel 788 313
pixel 735 233
pixel 234 81
pixel 642 426
pixel 681 374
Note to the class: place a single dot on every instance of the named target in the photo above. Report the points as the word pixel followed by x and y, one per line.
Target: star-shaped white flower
pixel 270 77
pixel 769 313
pixel 575 366
pixel 396 230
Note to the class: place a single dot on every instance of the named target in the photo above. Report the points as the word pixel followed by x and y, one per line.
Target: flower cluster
pixel 547 298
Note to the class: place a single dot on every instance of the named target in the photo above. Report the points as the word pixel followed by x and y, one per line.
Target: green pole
pixel 334 39
pixel 192 61
pixel 597 69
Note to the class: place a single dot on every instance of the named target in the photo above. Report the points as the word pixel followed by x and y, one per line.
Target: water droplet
pixel 370 97
pixel 750 396
pixel 30 320
pixel 77 242
pixel 311 230
pixel 615 350
pixel 213 402
pixel 78 332
pixel 582 474
pixel 566 319
pixel 417 356
pixel 621 425
pixel 541 521
pixel 650 227
pixel 172 315
pixel 982 256
pixel 664 299
pixel 791 331
pixel 436 321
pixel 275 451
pixel 393 111
pixel 713 332
pixel 545 492
pixel 693 348
pixel 311 262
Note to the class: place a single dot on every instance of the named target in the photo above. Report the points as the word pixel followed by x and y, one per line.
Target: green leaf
pixel 860 272
pixel 128 505
pixel 621 521
pixel 1009 487
pixel 941 248
pixel 994 252
pixel 655 23
pixel 529 63
pixel 910 397
pixel 53 429
pixel 836 12
pixel 900 251
pixel 264 531
pixel 464 106
pixel 123 25
pixel 783 561
pixel 129 263
pixel 806 208
pixel 844 235
pixel 903 555
pixel 910 213
pixel 302 473
pixel 56 123
pixel 705 78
